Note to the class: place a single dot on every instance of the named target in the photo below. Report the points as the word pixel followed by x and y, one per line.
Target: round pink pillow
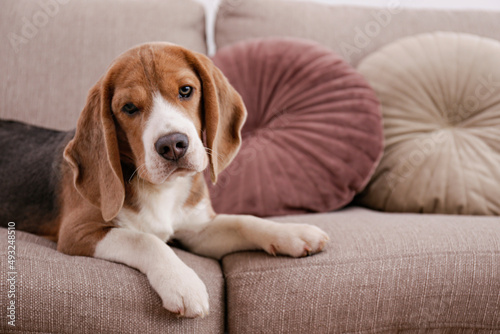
pixel 313 134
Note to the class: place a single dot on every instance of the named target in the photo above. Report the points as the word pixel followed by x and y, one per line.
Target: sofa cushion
pixel 440 96
pixel 54 51
pixel 352 31
pixel 57 293
pixel 313 135
pixel 379 273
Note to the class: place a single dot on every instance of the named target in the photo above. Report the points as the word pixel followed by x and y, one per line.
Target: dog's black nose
pixel 173 146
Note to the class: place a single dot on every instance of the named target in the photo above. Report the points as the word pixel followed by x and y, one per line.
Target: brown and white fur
pixel 130 177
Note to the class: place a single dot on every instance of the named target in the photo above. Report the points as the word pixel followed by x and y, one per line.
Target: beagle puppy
pixel 130 177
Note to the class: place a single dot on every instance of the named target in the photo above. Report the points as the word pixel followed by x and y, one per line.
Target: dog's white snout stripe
pixel 167 120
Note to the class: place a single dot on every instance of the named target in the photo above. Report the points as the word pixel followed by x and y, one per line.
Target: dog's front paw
pixel 181 291
pixel 297 240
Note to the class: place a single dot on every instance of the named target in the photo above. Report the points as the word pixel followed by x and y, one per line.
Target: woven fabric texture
pixel 380 273
pixel 351 31
pixel 54 51
pixel 57 293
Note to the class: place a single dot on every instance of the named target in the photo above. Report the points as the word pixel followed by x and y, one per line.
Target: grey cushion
pixel 57 293
pixel 380 273
pixel 53 51
pixel 351 31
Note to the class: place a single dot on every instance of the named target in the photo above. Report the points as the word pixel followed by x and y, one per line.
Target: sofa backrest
pixel 53 51
pixel 352 31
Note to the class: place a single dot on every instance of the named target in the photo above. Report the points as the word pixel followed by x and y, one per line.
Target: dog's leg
pixel 230 233
pixel 181 290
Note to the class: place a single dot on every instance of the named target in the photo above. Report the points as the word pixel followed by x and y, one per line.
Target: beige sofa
pixel 380 273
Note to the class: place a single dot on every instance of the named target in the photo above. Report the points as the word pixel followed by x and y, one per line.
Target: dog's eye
pixel 130 109
pixel 185 92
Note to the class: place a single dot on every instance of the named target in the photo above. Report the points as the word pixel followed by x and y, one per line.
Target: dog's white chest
pixel 161 208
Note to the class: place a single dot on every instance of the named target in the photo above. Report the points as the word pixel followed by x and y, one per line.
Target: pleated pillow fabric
pixel 313 135
pixel 440 96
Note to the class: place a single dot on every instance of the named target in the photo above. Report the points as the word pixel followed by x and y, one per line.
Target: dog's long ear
pixel 224 115
pixel 94 156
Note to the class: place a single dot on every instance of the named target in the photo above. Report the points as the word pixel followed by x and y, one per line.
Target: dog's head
pixel 162 110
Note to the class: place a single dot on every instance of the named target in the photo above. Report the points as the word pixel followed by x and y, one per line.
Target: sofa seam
pixel 383 258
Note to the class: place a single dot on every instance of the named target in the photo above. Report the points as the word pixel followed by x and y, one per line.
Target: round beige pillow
pixel 440 96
